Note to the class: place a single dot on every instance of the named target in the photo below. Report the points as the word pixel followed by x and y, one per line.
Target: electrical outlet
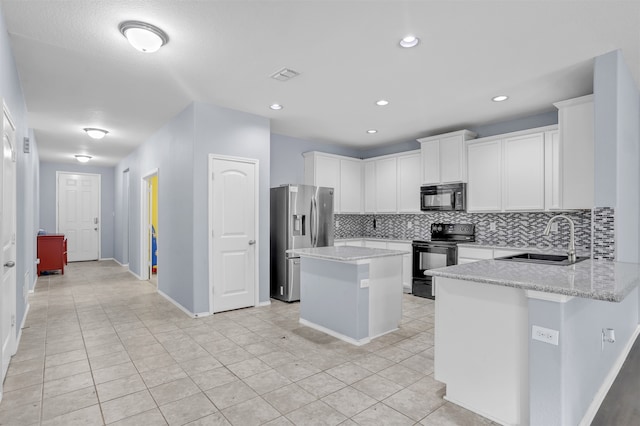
pixel 337 224
pixel 492 226
pixel 364 283
pixel 409 225
pixel 545 335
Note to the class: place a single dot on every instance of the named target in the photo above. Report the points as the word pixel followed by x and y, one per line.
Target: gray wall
pixel 564 379
pixel 26 174
pixel 170 151
pixel 107 209
pixel 287 163
pixel 179 150
pixel 233 133
pixel 617 146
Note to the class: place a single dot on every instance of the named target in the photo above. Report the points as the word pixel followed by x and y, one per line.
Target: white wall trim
pixel 335 333
pixel 35 282
pixel 106 258
pixel 267 303
pixel 608 381
pixel 144 222
pixel 179 306
pixel 24 319
pixel 118 262
pixel 136 275
pixel 256 163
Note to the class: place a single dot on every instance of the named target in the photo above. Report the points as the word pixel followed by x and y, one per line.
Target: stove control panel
pixel 452 232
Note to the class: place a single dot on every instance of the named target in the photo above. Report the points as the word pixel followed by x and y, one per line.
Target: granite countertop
pixel 386 240
pixel 590 279
pixel 345 253
pixel 580 251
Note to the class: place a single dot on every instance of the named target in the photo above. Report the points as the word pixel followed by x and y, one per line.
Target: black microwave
pixel 450 197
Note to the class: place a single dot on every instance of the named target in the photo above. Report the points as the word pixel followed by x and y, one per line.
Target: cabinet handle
pixel 252 242
pixel 10 264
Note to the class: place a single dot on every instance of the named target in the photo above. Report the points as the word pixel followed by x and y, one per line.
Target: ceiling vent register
pixel 284 74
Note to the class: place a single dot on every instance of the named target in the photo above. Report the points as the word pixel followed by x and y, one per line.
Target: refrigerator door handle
pixel 312 218
pixel 314 222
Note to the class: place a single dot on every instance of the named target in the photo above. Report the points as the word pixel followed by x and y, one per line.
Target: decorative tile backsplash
pixel 603 233
pixel 511 229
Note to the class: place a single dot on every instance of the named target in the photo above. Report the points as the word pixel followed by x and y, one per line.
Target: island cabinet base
pixel 481 348
pixel 352 301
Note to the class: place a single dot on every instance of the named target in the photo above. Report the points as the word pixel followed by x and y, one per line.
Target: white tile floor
pixel 100 347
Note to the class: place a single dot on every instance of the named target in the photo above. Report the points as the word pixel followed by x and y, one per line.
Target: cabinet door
pixel 484 190
pixel 452 167
pixel 409 184
pixel 552 189
pixel 327 174
pixel 350 186
pixel 370 187
pixel 386 185
pixel 375 244
pixel 430 152
pixel 524 172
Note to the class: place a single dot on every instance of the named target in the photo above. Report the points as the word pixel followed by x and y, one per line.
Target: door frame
pixel 58 173
pixel 145 223
pixel 13 339
pixel 126 208
pixel 256 273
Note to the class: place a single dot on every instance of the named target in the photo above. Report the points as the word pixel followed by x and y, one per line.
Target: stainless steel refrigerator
pixel 301 217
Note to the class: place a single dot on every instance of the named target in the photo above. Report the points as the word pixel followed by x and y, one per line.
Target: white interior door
pixel 79 214
pixel 8 242
pixel 233 221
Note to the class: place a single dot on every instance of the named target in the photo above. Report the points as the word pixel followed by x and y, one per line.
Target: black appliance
pixel 450 197
pixel 441 251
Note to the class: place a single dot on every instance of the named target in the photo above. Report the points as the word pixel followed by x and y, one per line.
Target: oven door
pixel 430 256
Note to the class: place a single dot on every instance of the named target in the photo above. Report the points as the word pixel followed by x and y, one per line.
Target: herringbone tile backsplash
pixel 511 229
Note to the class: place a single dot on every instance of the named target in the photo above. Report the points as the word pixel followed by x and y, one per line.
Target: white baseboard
pixel 182 308
pixel 267 303
pixel 24 318
pixel 136 275
pixel 118 262
pixel 35 282
pixel 335 333
pixel 202 315
pixel 105 258
pixel 608 381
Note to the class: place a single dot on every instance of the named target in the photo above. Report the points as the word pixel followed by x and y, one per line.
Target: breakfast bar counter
pixel 351 293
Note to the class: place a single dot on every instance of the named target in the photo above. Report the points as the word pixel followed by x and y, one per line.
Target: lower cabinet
pixel 476 254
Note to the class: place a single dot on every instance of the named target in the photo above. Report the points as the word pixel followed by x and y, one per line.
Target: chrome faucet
pixel 571 253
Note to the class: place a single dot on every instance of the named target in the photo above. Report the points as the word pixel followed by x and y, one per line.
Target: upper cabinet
pixel 513 172
pixel 343 174
pixel 444 157
pixel 386 185
pixel 409 167
pixel 576 127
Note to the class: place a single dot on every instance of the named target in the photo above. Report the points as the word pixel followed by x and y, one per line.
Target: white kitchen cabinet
pixel 511 172
pixel 484 190
pixel 386 185
pixel 524 172
pixel 552 170
pixel 476 254
pixel 376 244
pixel 369 186
pixel 576 127
pixel 444 157
pixel 323 170
pixel 350 186
pixel 409 183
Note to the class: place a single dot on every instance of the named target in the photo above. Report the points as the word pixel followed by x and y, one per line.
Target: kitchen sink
pixel 545 259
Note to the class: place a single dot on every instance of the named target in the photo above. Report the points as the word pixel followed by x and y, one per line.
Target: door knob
pixel 10 264
pixel 95 229
pixel 252 242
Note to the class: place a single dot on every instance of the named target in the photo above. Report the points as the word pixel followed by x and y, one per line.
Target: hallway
pixel 101 347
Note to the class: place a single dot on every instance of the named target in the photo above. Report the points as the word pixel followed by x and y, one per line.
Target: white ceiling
pixel 78 71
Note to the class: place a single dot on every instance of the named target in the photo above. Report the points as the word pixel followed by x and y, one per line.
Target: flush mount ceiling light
pixel 409 41
pixel 499 98
pixel 276 107
pixel 83 158
pixel 372 131
pixel 143 37
pixel 95 133
pixel 382 102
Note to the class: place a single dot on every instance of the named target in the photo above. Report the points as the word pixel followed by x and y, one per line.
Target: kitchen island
pixel 497 362
pixel 351 293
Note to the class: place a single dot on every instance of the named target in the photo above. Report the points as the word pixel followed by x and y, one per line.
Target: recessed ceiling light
pixel 95 133
pixel 276 107
pixel 372 131
pixel 499 98
pixel 83 158
pixel 409 41
pixel 382 102
pixel 143 37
